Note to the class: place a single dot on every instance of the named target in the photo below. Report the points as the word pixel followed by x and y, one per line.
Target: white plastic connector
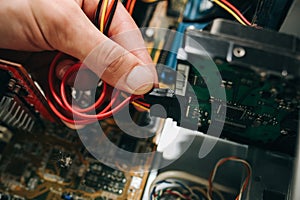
pixel 174 140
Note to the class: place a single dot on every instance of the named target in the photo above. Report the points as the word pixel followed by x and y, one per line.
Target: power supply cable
pixel 58 100
pixel 221 162
pixel 231 9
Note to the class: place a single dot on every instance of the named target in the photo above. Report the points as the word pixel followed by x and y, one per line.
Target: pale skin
pixel 65 25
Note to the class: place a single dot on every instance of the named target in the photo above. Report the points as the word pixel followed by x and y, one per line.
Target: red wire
pixel 224 160
pixel 128 4
pixel 66 119
pixel 109 11
pixel 232 7
pixel 143 103
pixel 175 194
pixel 113 100
pixel 56 97
pixel 99 116
pixel 80 116
pixel 51 80
pixel 130 10
pixel 97 104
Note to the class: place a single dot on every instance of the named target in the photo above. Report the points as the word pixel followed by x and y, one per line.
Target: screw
pixel 239 52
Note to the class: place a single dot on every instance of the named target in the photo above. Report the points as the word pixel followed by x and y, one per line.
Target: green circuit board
pixel 261 108
pixel 53 164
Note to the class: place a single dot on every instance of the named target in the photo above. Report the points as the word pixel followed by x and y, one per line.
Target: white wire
pixel 234 160
pixel 191 178
pixel 173 183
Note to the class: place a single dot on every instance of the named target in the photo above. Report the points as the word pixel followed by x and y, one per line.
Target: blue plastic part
pixel 67 197
pixel 195 9
pixel 172 57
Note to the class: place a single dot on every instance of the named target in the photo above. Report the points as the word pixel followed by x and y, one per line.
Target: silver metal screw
pixel 239 52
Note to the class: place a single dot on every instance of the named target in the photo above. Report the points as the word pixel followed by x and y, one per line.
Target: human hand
pixel 65 25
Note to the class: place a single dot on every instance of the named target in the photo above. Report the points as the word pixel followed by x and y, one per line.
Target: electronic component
pixel 259 72
pixel 241 164
pixel 56 165
pixel 261 94
pixel 171 103
pixel 101 177
pixel 262 97
pixel 21 102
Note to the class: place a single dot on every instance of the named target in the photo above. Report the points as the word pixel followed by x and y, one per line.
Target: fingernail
pixel 140 80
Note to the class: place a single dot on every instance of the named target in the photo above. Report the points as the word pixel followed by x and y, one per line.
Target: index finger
pixel 123 30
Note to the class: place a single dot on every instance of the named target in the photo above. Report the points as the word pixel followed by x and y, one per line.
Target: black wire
pixel 96 19
pixel 110 17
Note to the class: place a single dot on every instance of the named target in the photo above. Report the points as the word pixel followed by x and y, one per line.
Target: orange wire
pixel 109 11
pixel 128 4
pixel 132 7
pixel 232 7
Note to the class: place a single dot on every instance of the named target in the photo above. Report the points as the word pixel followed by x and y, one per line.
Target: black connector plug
pixel 165 103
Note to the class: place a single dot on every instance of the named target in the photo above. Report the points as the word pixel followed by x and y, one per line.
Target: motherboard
pixel 196 56
pixel 54 164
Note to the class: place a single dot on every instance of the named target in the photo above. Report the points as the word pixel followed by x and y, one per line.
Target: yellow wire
pixel 150 1
pixel 140 106
pixel 135 103
pixel 230 11
pixel 105 4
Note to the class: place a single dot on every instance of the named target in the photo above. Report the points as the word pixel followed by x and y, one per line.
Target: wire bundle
pixel 130 6
pixel 221 162
pixel 58 99
pixel 106 15
pixel 194 187
pixel 187 185
pixel 231 9
pixel 81 115
pixel 174 188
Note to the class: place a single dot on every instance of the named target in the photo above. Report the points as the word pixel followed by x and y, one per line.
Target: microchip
pixel 235 113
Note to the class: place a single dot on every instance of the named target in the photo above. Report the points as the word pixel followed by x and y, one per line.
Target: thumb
pixel 120 68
